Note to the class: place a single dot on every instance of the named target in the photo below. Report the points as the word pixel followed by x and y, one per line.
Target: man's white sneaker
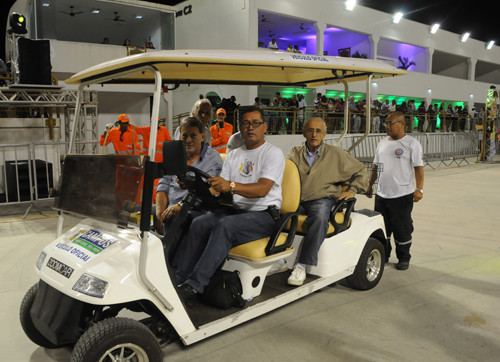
pixel 297 277
pixel 278 267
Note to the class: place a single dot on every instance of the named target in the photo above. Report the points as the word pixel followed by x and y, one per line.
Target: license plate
pixel 59 267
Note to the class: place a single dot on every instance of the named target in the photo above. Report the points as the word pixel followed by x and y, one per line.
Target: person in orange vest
pixel 221 131
pixel 125 140
pixel 126 143
pixel 162 135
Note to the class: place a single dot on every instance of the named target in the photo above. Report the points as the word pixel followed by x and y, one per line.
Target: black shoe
pixel 187 294
pixel 403 265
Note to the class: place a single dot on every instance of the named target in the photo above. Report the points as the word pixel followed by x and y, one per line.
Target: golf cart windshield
pixel 104 187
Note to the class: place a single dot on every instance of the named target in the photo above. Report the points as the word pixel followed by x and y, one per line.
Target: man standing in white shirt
pixel 253 174
pixel 398 159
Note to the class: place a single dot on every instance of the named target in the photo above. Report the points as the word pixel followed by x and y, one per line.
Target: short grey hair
pixel 198 104
pixel 191 122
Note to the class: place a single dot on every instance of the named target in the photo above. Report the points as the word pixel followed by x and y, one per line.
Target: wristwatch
pixel 421 190
pixel 232 186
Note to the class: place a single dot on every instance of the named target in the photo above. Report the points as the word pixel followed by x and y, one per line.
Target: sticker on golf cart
pixel 94 241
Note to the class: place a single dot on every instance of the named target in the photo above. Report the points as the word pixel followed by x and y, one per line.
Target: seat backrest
pixel 290 188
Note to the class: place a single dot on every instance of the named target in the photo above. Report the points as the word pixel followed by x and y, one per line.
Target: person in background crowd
pixel 202 109
pixel 221 132
pixel 421 116
pixel 162 135
pixel 272 45
pixel 125 140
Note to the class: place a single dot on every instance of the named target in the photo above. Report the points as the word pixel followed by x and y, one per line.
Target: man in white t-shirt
pixel 273 45
pixel 398 159
pixel 253 174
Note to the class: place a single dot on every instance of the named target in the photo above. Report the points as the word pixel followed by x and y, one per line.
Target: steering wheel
pixel 200 187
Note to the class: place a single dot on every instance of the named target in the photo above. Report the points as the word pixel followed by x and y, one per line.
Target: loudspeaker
pixel 34 61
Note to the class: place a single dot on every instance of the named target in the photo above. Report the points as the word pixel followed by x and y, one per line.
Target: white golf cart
pixel 108 264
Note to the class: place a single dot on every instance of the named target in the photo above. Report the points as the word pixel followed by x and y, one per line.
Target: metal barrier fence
pixel 282 120
pixel 30 171
pixel 439 149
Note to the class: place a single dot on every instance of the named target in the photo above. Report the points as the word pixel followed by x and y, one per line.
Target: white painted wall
pixel 223 24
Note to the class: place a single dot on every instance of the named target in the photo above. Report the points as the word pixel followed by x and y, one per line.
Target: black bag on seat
pixel 224 290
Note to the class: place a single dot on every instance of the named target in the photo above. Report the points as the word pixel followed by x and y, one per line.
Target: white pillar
pixel 471 62
pixel 430 52
pixel 374 45
pixel 320 38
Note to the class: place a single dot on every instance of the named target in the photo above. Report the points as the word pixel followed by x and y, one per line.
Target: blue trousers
pixel 318 216
pixel 210 238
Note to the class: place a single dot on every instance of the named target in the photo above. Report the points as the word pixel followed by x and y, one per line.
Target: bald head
pixel 316 121
pixel 314 132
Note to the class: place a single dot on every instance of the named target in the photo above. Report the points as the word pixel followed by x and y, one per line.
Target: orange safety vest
pixel 220 137
pixel 128 145
pixel 163 135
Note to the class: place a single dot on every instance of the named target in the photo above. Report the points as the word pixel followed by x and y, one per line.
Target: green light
pixel 20 19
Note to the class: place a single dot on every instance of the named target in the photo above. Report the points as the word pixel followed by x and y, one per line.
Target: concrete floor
pixel 446 307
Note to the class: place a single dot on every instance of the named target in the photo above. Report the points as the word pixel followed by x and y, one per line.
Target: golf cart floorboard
pixel 274 285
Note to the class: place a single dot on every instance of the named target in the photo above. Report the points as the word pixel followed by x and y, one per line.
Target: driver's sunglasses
pixel 255 124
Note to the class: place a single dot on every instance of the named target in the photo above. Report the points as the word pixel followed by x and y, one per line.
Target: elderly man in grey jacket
pixel 324 170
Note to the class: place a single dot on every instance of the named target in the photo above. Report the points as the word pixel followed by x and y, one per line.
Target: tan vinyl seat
pixel 282 239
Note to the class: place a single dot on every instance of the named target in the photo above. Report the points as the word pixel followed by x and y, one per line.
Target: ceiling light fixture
pixel 490 45
pixel 46 5
pixel 138 16
pixel 397 17
pixel 464 37
pixel 96 11
pixel 350 5
pixel 434 28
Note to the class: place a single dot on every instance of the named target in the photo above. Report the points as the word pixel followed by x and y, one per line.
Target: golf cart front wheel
pixel 117 339
pixel 370 266
pixel 27 322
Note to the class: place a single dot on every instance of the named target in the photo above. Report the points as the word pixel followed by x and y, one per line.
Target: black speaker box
pixel 34 61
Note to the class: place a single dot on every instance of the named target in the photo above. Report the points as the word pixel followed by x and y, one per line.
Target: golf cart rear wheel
pixel 27 322
pixel 117 339
pixel 370 266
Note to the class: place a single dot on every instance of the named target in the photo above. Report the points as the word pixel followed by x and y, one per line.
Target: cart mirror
pixel 174 158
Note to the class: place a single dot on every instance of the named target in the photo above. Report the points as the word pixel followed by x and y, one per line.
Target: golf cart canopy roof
pixel 237 67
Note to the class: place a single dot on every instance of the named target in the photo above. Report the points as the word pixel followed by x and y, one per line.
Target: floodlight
pixel 17 24
pixel 434 28
pixel 490 45
pixel 397 17
pixel 350 5
pixel 464 37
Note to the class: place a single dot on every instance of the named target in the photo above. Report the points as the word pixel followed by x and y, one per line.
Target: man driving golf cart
pixel 253 174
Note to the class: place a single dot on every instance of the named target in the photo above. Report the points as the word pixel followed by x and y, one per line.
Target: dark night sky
pixel 480 18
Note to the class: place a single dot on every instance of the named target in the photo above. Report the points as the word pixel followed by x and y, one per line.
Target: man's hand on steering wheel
pixel 219 184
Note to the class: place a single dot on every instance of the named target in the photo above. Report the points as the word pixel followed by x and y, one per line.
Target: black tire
pixel 370 266
pixel 27 323
pixel 117 337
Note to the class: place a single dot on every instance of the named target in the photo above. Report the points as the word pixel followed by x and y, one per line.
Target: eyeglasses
pixel 255 124
pixel 313 130
pixel 391 123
